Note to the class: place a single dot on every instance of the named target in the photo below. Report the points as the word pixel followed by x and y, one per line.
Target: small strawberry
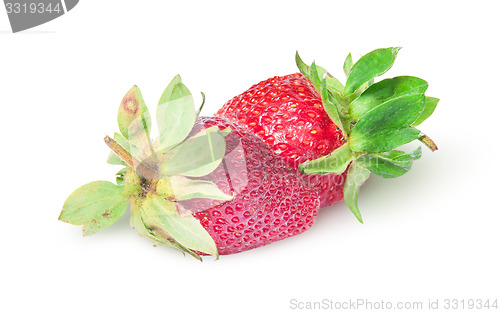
pixel 338 134
pixel 205 186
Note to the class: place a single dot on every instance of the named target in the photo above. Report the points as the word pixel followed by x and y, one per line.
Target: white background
pixel 431 234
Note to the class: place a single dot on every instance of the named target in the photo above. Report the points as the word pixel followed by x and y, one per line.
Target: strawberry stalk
pixel 428 142
pixel 140 168
pixel 374 117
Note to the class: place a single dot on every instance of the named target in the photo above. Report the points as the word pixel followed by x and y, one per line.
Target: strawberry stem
pixel 140 168
pixel 426 140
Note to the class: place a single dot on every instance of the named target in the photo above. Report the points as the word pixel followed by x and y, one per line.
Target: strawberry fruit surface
pixel 286 112
pixel 271 201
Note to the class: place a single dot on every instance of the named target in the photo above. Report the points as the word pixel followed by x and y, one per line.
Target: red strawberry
pixel 286 112
pixel 204 186
pixel 341 132
pixel 271 202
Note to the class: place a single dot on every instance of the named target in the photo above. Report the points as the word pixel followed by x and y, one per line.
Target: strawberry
pixel 205 186
pixel 334 133
pixel 286 112
pixel 271 202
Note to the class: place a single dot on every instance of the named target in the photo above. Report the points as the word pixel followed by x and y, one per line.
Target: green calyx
pixel 157 175
pixel 374 117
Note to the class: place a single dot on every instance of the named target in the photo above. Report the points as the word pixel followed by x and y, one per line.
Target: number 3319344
pixel 33 8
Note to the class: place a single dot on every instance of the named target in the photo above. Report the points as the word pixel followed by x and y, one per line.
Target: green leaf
pixel 225 132
pixel 186 229
pixel 356 176
pixel 331 106
pixel 184 189
pixel 361 89
pixel 202 170
pixel 303 68
pixel 385 90
pixel 176 114
pixel 327 86
pixel 332 83
pixel 430 105
pixel 386 126
pixel 138 222
pixel 369 66
pixel 336 162
pixel 148 224
pixel 315 74
pixel 214 129
pixel 134 119
pixel 386 140
pixel 348 65
pixel 95 206
pixel 197 156
pixel 389 164
pixel 314 77
pixel 120 176
pixel 416 154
